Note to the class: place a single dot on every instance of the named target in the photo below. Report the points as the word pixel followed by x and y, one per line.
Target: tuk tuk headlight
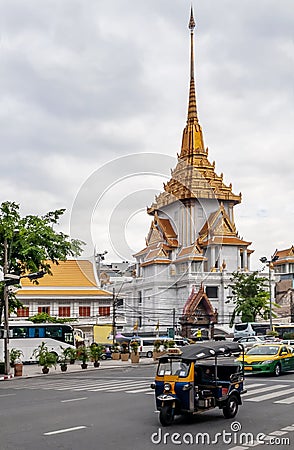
pixel 167 386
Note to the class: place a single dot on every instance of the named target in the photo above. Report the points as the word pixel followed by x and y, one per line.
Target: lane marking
pixel 271 395
pixel 278 433
pixel 73 399
pixel 65 430
pixel 289 428
pixel 6 395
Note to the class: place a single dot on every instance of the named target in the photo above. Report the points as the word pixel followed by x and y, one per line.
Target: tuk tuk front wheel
pixel 231 408
pixel 166 415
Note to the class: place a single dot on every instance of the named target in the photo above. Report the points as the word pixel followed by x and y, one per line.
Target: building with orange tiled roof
pixel 193 240
pixel 72 291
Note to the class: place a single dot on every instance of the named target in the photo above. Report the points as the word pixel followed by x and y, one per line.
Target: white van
pixel 146 345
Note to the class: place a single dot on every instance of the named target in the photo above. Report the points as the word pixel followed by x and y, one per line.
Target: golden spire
pixel 194 176
pixel 192 109
pixel 192 143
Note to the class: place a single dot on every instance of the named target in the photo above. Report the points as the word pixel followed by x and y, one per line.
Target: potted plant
pixel 171 344
pixel 83 355
pixel 66 354
pixel 135 357
pixel 45 358
pixel 96 352
pixel 156 349
pixel 115 354
pixel 71 354
pixel 124 354
pixel 15 361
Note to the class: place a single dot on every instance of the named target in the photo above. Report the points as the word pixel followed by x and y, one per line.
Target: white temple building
pixel 192 246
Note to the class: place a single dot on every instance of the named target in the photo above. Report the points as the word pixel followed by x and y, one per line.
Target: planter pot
pixel 115 356
pixel 135 358
pixel 96 363
pixel 84 365
pixel 18 370
pixel 72 361
pixel 45 369
pixel 124 356
pixel 63 367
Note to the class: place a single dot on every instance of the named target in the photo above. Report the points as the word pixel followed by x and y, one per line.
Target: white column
pixel 212 256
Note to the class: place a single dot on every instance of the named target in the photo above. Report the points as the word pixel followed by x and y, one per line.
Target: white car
pixel 250 341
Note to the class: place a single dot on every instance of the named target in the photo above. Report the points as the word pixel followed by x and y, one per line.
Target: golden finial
pixel 192 21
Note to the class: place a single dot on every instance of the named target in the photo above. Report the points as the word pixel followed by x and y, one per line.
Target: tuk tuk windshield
pixel 173 367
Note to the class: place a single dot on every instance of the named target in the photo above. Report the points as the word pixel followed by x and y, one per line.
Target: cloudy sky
pixel 87 85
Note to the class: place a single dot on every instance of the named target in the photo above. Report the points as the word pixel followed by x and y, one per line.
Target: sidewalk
pixel 33 370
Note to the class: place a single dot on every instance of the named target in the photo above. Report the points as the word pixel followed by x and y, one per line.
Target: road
pixel 114 409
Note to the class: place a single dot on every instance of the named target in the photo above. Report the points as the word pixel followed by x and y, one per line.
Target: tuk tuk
pixel 197 378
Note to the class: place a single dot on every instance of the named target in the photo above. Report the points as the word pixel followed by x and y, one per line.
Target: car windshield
pixel 264 350
pixel 173 367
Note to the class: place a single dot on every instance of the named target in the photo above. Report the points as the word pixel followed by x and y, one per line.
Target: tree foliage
pixel 250 295
pixel 31 242
pixel 46 318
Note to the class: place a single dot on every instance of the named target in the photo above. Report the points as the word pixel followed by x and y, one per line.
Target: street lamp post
pixel 269 263
pixel 114 305
pixel 100 257
pixel 6 312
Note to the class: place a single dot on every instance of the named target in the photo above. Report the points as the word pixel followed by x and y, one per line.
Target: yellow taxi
pixel 272 358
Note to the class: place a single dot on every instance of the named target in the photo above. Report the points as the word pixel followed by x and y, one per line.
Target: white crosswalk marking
pixel 265 389
pixel 139 390
pixel 270 395
pixel 256 392
pixel 251 386
pixel 130 385
pixel 286 401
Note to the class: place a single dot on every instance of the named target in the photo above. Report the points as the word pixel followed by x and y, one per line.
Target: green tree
pixel 46 318
pixel 29 242
pixel 250 295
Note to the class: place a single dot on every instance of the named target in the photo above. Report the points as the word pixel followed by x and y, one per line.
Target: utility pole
pixel 270 264
pixel 6 311
pixel 113 316
pixel 174 321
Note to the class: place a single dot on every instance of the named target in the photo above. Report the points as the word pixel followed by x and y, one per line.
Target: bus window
pixel 19 332
pixel 36 332
pixel 68 338
pixel 54 332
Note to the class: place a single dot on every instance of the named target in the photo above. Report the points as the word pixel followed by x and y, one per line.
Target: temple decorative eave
pixel 178 193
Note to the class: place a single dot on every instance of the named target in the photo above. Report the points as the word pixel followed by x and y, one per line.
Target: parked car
pixel 268 338
pixel 250 341
pixel 272 358
pixel 106 353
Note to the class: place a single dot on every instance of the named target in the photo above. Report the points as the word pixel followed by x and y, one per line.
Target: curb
pixel 6 377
